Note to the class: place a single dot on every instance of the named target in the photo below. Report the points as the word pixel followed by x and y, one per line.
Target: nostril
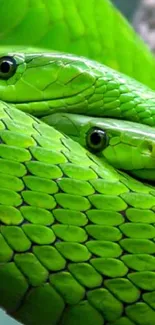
pixel 150 147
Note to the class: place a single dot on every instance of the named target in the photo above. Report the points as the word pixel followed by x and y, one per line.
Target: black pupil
pixel 5 67
pixel 95 138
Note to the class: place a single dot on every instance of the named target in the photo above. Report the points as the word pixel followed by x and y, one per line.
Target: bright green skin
pixel 76 236
pixel 129 146
pixel 47 83
pixel 90 28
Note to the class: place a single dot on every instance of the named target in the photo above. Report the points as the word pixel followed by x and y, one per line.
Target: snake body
pixel 77 234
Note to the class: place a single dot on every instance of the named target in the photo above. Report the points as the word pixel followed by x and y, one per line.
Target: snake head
pixel 125 145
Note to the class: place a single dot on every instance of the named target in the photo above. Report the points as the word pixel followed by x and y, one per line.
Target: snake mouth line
pixel 40 108
pixel 30 106
pixel 47 107
pixel 38 100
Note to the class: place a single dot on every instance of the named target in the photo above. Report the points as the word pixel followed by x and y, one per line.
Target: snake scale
pixel 77 154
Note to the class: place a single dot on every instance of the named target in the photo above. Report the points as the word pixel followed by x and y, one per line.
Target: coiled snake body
pixel 77 231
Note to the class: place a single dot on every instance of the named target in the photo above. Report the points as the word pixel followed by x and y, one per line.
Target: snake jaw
pixel 56 82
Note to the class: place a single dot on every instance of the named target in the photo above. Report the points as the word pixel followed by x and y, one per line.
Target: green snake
pixel 77 234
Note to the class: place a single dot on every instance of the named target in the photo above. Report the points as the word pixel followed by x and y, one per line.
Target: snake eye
pixel 8 67
pixel 96 139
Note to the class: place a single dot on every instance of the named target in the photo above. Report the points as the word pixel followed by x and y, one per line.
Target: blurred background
pixel 128 7
pixel 142 16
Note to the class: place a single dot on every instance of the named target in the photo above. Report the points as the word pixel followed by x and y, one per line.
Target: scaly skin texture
pixel 90 28
pixel 76 242
pixel 46 83
pixel 127 145
pixel 76 236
